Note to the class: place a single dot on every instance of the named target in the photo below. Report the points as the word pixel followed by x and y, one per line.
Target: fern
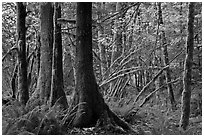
pixel 162 121
pixel 33 119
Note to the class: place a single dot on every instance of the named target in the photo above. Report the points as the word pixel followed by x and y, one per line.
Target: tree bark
pixel 91 105
pixel 167 73
pixel 46 40
pixel 186 95
pixel 22 63
pixel 57 87
pixel 13 81
pixel 86 86
pixel 166 61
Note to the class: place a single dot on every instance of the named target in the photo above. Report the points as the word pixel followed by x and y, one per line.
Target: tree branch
pixel 148 84
pixel 152 93
pixel 9 52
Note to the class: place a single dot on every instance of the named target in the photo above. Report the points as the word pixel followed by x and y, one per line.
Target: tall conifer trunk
pixel 22 63
pixel 86 86
pixel 186 95
pixel 46 40
pixel 91 105
pixel 57 87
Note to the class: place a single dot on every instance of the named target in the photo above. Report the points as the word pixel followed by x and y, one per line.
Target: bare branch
pixel 152 93
pixel 9 52
pixel 148 84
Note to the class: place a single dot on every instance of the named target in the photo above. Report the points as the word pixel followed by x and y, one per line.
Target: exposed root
pixel 109 118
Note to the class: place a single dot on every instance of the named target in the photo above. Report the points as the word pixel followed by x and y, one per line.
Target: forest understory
pixel 154 118
pixel 102 68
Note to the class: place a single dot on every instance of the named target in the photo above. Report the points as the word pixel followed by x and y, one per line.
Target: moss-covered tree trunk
pixel 22 63
pixel 46 40
pixel 57 87
pixel 86 87
pixel 186 95
pixel 91 106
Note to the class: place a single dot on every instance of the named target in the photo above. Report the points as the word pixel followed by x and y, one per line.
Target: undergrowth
pixel 37 120
pixel 152 119
pixel 155 118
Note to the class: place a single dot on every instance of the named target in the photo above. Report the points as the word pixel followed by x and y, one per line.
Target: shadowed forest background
pixel 102 68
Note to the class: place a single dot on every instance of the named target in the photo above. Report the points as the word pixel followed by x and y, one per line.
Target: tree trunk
pixel 91 106
pixel 46 40
pixel 101 46
pixel 57 87
pixel 186 95
pixel 22 63
pixel 38 55
pixel 13 81
pixel 166 61
pixel 167 73
pixel 86 87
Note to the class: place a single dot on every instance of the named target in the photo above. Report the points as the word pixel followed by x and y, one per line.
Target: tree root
pixel 110 118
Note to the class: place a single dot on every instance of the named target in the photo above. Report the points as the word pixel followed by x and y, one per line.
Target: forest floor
pixel 149 121
pixel 154 118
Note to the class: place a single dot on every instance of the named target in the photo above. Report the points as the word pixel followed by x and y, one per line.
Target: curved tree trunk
pixel 22 63
pixel 57 87
pixel 186 95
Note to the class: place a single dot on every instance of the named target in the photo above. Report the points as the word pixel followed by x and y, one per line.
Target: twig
pixel 118 12
pixel 9 52
pixel 176 56
pixel 136 10
pixel 96 56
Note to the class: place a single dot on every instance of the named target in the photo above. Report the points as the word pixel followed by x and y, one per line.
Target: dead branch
pixel 121 11
pixel 152 93
pixel 157 75
pixel 121 75
pixel 65 21
pixel 148 84
pixel 9 52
